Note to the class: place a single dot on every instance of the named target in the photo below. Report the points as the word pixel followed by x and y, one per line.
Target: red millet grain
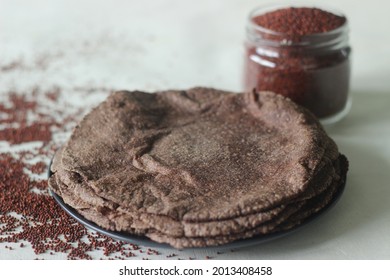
pixel 38 168
pixel 53 94
pixel 27 133
pixel 299 21
pixel 17 114
pixel 152 252
pixel 311 70
pixel 17 64
pixel 18 109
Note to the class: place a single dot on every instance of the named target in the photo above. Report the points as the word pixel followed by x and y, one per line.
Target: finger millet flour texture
pixel 197 167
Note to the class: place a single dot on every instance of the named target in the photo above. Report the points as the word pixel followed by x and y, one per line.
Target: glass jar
pixel 313 70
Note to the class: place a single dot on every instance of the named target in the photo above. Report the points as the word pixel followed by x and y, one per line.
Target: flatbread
pixel 196 164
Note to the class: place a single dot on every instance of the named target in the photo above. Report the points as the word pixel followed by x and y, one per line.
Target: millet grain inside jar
pixel 301 53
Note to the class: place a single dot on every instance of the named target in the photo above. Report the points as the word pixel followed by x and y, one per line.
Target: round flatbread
pixel 195 164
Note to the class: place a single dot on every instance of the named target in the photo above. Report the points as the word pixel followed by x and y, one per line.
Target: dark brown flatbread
pixel 279 224
pixel 306 209
pixel 172 227
pixel 197 164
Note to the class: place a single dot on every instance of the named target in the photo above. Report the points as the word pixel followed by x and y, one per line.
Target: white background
pixel 161 44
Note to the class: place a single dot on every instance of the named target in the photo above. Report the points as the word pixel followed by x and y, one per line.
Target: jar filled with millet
pixel 302 53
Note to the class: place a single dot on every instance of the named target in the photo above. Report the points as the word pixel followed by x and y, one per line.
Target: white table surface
pixel 162 44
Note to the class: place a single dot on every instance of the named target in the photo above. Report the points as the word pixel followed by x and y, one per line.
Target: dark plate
pixel 150 243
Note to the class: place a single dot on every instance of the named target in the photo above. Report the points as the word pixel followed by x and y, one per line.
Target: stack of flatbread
pixel 200 167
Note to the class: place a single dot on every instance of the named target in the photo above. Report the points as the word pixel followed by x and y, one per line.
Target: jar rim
pixel 263 9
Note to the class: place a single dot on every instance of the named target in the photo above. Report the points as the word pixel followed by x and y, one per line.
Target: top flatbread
pixel 198 155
